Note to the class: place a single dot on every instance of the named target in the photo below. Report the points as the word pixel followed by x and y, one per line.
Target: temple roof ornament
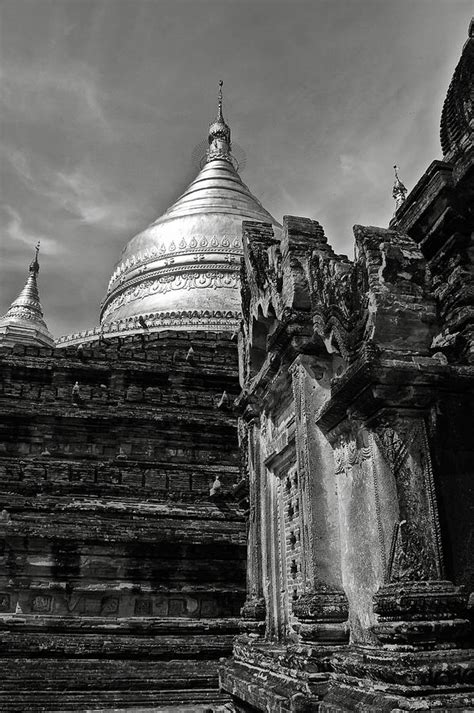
pixel 219 134
pixel 182 271
pixel 24 322
pixel 399 191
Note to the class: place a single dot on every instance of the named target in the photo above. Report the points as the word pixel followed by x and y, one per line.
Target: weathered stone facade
pixel 356 418
pixel 122 578
pixel 351 602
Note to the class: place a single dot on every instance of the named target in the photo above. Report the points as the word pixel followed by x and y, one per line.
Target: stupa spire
pixel 219 134
pixel 24 322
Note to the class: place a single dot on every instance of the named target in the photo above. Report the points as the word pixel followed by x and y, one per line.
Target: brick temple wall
pixel 121 578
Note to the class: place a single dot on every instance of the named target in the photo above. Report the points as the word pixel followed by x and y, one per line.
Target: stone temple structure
pixel 172 538
pixel 122 576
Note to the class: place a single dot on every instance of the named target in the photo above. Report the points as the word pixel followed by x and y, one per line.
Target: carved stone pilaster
pixel 416 544
pixel 415 606
pixel 322 609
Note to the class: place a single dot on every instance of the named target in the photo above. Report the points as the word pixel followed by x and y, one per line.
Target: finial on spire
pixel 219 96
pixel 219 134
pixel 399 191
pixel 34 264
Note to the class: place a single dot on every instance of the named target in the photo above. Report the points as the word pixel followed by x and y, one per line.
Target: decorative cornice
pixel 211 320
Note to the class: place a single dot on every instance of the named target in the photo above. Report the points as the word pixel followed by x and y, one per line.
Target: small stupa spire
pixel 24 322
pixel 219 134
pixel 399 191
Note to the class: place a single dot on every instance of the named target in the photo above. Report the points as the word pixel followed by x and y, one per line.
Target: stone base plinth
pixel 276 678
pixel 347 699
pixel 373 679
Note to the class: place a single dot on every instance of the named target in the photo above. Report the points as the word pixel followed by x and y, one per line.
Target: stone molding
pixel 196 243
pixel 175 279
pixel 225 321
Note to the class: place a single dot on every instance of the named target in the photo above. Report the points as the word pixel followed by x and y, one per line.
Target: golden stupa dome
pixel 182 271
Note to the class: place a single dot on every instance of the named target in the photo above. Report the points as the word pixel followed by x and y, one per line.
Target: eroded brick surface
pixel 121 579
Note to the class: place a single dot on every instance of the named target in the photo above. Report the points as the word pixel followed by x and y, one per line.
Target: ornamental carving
pixel 415 551
pixel 23 314
pixel 42 603
pixel 109 606
pixel 411 558
pixel 423 600
pixel 348 454
pixel 323 603
pixel 212 319
pixel 394 447
pixel 185 245
pixel 167 283
pixel 143 607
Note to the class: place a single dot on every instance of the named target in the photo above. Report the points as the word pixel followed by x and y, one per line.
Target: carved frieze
pixel 213 319
pixel 41 603
pixel 186 244
pixel 183 280
pixel 143 607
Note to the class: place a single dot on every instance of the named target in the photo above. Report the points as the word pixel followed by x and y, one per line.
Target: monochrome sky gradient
pixel 104 101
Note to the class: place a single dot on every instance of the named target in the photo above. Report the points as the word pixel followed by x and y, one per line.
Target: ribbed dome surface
pixel 183 270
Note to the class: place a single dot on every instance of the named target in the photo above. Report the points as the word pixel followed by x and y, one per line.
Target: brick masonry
pixel 121 578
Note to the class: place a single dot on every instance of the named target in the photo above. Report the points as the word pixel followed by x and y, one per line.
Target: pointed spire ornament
pixel 399 191
pixel 219 134
pixel 24 322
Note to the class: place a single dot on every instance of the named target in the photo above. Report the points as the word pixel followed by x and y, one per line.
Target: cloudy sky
pixel 104 101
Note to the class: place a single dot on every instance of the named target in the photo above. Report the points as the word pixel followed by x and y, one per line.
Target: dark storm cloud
pixel 103 102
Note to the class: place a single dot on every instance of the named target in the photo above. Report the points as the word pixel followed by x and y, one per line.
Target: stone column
pixel 253 612
pixel 322 608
